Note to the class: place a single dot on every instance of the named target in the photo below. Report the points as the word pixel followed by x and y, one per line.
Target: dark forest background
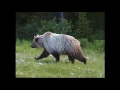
pixel 88 25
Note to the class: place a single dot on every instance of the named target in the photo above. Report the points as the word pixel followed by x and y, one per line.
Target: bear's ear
pixel 36 39
pixel 37 35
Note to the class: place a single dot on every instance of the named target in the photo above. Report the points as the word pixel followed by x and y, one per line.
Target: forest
pixel 89 25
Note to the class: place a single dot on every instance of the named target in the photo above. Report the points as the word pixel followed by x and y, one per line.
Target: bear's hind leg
pixel 71 59
pixel 43 55
pixel 56 55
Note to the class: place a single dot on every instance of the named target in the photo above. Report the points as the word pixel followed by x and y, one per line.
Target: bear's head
pixel 35 41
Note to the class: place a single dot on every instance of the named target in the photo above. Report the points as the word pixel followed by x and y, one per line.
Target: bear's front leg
pixel 37 57
pixel 43 55
pixel 56 55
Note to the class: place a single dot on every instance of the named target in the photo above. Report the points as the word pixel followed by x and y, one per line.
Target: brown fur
pixel 57 44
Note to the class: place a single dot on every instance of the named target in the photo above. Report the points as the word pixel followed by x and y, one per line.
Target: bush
pixel 83 42
pixel 98 35
pixel 18 42
pixel 28 30
pixel 97 45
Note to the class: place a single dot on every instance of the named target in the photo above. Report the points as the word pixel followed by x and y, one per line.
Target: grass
pixel 28 67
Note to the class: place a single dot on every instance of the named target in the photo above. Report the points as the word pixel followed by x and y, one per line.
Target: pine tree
pixel 82 29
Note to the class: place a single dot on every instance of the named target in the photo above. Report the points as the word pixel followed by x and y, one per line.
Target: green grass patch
pixel 28 67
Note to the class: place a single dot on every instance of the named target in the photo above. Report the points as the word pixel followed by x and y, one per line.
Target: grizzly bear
pixel 57 44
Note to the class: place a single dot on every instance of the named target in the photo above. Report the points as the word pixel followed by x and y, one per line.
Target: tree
pixel 82 27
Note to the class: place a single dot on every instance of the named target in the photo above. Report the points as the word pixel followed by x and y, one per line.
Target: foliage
pixel 27 31
pixel 97 20
pixel 88 25
pixel 97 45
pixel 98 35
pixel 65 26
pixel 83 42
pixel 82 27
pixel 50 25
pixel 62 27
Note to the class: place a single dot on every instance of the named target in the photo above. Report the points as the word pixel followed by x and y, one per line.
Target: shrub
pixel 97 45
pixel 83 42
pixel 28 30
pixel 98 35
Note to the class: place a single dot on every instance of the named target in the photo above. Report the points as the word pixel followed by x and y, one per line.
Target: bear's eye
pixel 36 39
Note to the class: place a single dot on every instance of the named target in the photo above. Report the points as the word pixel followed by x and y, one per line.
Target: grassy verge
pixel 28 67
